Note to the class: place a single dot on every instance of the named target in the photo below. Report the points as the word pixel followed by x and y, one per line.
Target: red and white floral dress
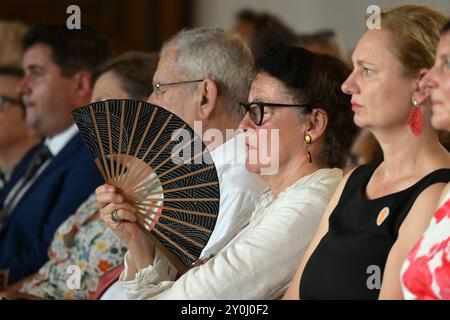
pixel 425 274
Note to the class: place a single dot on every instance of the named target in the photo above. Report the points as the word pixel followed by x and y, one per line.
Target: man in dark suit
pixel 58 66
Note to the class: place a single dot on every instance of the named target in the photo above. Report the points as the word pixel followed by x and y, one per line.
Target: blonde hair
pixel 11 35
pixel 415 33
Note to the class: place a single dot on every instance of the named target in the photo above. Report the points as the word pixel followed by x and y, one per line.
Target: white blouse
pixel 260 262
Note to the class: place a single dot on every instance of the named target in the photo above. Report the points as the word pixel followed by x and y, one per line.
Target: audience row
pixel 315 229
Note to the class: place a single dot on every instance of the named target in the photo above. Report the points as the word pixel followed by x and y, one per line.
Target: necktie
pixel 39 159
pixel 2 180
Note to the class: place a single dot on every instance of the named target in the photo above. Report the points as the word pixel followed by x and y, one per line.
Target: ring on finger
pixel 115 217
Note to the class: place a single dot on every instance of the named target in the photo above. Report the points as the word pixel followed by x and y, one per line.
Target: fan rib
pixel 162 174
pixel 149 200
pixel 157 136
pixel 141 183
pixel 138 112
pixel 208 184
pixel 99 166
pixel 169 158
pixel 144 135
pixel 119 152
pixel 127 186
pixel 196 213
pixel 183 250
pixel 193 173
pixel 153 142
pixel 133 176
pixel 99 140
pixel 195 243
pixel 187 224
pixel 162 149
pixel 111 152
pixel 144 213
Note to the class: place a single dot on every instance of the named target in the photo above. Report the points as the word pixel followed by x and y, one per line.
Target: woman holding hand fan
pixel 288 99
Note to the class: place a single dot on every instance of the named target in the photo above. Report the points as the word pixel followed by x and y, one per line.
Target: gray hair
pixel 212 52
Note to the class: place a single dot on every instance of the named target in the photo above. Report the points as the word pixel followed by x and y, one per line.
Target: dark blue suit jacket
pixel 56 194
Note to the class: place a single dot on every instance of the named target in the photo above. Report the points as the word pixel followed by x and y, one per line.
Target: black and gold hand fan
pixel 161 167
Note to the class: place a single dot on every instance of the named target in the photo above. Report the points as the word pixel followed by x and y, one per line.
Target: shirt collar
pixel 5 175
pixel 230 152
pixel 267 197
pixel 59 141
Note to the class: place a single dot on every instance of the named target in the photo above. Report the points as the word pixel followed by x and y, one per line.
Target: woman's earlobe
pixel 320 120
pixel 421 93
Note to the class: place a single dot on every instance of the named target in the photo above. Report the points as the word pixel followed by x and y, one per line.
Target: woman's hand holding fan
pixel 109 201
pixel 164 174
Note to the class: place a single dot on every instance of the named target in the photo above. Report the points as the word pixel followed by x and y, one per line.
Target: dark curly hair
pixel 315 78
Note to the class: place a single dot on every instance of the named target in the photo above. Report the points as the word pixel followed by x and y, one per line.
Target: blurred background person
pixel 58 66
pixel 16 140
pixel 259 29
pixel 426 271
pixel 207 93
pixel 365 150
pixel 18 143
pixel 315 129
pixel 11 35
pixel 380 210
pixel 324 41
pixel 127 76
pixel 444 137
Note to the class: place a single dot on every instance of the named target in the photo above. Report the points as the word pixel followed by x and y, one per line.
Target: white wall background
pixel 347 17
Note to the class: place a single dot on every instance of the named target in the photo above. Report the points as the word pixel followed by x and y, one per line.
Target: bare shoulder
pixel 424 207
pixel 344 180
pixel 445 194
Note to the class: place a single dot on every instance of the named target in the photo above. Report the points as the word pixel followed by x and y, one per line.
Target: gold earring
pixel 308 139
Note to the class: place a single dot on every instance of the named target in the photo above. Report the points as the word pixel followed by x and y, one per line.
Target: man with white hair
pixel 201 76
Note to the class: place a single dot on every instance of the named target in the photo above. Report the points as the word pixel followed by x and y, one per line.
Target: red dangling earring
pixel 415 119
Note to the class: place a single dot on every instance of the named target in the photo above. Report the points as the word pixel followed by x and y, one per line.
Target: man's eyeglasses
pixel 256 109
pixel 157 86
pixel 4 99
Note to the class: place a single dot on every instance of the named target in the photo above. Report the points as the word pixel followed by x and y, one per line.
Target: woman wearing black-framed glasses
pixel 256 109
pixel 268 249
pixel 298 128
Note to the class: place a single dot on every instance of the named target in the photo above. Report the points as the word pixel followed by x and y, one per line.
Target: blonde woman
pixel 379 211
